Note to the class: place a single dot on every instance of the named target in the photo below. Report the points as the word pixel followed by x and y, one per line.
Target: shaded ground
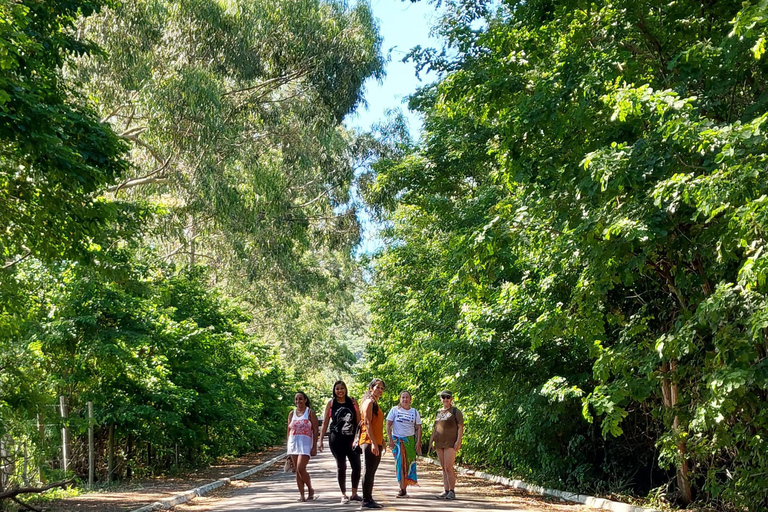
pixel 274 490
pixel 137 493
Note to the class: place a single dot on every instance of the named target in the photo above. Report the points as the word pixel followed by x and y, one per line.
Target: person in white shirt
pixel 302 442
pixel 404 433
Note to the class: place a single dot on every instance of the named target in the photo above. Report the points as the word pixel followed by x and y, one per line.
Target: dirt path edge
pixel 184 497
pixel 590 501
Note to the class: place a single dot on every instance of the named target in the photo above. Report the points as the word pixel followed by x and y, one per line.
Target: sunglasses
pixel 445 397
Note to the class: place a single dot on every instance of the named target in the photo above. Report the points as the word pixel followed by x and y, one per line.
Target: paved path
pixel 278 492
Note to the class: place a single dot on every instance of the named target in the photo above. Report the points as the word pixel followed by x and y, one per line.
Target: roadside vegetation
pixel 575 245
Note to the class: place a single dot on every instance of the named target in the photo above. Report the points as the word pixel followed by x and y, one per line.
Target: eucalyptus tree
pixel 233 110
pixel 602 168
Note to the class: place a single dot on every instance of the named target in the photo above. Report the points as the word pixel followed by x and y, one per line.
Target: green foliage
pixel 581 229
pixel 238 160
pixel 234 112
pixel 164 358
pixel 54 151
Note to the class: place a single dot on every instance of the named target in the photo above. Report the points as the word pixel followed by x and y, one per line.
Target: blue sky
pixel 403 25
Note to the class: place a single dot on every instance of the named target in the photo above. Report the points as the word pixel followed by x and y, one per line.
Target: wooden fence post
pixel 91 451
pixel 64 434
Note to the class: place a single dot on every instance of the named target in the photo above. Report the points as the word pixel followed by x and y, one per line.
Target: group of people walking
pixel 355 430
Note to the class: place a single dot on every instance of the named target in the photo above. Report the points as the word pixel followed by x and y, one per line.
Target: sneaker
pixel 371 504
pixel 344 500
pixel 402 494
pixel 356 497
pixel 450 495
pixel 442 495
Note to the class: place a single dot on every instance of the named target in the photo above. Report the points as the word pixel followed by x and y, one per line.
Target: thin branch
pixel 179 248
pixel 152 151
pixel 149 178
pixel 120 107
pixel 133 133
pixel 279 80
pixel 279 100
pixel 198 255
pixel 115 112
pixel 18 260
pixel 138 182
pixel 324 194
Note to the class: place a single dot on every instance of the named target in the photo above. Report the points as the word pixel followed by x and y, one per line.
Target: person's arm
pixel 367 418
pixel 417 428
pixel 457 446
pixel 326 421
pixel 313 421
pixel 357 412
pixel 389 434
pixel 431 444
pixel 290 417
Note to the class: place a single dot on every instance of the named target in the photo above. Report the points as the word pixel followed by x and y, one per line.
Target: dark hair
pixel 368 393
pixel 333 390
pixel 306 398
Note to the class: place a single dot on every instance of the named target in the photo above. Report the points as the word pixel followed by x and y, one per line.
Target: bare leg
pixel 302 476
pixel 449 458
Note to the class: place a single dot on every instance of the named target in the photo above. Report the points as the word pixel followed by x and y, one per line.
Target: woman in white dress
pixel 302 442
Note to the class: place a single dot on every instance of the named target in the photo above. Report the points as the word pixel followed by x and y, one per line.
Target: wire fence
pixel 58 443
pixel 46 446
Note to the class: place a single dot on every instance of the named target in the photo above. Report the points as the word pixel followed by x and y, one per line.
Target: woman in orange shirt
pixel 372 438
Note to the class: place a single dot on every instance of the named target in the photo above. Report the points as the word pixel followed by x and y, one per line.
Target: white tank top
pixel 300 436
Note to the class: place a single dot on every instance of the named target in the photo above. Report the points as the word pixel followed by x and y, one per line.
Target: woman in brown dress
pixel 447 433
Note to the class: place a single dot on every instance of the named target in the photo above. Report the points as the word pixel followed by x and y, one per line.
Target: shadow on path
pixel 277 491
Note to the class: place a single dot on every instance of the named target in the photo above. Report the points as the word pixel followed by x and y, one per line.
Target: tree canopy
pixel 176 221
pixel 577 242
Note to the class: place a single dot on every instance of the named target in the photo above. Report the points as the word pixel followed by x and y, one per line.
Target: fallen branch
pixel 12 493
pixel 25 506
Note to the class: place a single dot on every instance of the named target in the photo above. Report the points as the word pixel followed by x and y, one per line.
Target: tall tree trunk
pixel 670 399
pixel 192 245
pixel 129 457
pixel 41 450
pixel 111 454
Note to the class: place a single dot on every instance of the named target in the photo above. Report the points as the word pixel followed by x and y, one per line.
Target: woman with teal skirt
pixel 404 433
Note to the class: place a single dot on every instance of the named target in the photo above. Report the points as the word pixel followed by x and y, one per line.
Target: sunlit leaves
pixel 594 176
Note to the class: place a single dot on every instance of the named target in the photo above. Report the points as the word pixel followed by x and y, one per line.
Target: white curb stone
pixel 184 497
pixel 590 501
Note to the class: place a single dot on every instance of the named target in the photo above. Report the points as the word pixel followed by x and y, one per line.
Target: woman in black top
pixel 342 415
